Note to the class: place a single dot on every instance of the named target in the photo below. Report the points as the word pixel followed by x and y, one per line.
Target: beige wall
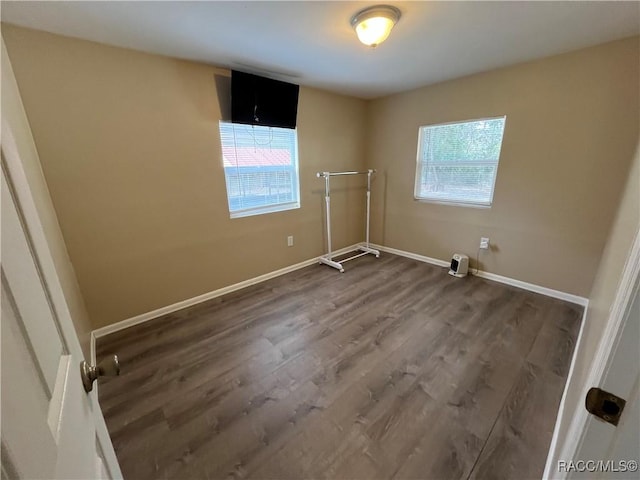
pixel 625 228
pixel 15 123
pixel 130 151
pixel 571 130
pixel 129 147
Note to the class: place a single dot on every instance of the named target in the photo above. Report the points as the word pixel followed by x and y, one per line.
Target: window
pixel 458 162
pixel 260 168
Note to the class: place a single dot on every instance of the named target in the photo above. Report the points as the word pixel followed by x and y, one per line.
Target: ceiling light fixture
pixel 373 24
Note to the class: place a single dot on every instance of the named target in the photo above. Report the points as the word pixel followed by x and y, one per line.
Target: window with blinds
pixel 260 168
pixel 458 162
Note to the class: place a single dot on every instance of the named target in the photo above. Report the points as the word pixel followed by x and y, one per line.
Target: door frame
pixel 15 123
pixel 598 368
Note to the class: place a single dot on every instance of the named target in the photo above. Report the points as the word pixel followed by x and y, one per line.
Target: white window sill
pixel 453 203
pixel 262 211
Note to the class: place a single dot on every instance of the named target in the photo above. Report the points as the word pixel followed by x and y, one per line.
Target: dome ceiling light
pixel 373 24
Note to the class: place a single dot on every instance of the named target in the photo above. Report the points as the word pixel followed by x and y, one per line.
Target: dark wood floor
pixel 393 369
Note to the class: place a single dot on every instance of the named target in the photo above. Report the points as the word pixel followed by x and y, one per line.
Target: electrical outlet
pixel 484 243
pixel 290 241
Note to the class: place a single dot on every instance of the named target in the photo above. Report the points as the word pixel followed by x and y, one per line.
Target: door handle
pixel 109 367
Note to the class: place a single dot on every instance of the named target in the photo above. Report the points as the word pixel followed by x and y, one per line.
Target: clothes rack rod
pixel 335 174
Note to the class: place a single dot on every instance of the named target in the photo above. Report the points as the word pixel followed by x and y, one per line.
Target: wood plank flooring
pixel 391 370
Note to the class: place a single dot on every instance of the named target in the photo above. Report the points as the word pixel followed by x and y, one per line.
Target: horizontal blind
pixel 260 167
pixel 458 162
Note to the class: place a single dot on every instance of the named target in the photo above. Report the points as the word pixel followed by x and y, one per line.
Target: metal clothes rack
pixel 365 249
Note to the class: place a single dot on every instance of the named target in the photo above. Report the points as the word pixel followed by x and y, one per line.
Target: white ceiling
pixel 312 43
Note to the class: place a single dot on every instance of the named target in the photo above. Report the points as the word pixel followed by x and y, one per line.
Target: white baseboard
pixel 549 292
pixel 554 455
pixel 145 317
pixel 414 256
pixel 130 322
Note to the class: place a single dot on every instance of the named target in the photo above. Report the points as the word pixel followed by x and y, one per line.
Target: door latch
pixel 604 405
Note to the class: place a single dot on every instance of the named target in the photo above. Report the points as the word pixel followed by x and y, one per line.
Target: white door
pixel 50 428
pixel 618 447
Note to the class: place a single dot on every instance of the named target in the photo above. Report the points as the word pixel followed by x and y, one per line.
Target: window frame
pixel 457 202
pixel 295 169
